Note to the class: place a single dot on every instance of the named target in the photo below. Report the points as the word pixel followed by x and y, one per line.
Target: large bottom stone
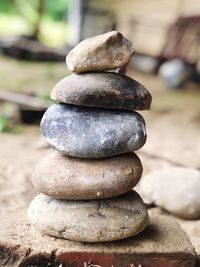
pixel 89 221
pixel 64 177
pixel 162 243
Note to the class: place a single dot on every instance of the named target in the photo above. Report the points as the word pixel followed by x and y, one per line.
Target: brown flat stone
pixel 64 177
pixel 163 243
pixel 102 89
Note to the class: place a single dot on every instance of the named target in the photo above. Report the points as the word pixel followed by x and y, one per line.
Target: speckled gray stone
pixel 89 221
pixel 92 132
pixel 65 177
pixel 102 89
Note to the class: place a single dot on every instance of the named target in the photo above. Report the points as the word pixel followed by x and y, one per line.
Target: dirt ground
pixel 173 127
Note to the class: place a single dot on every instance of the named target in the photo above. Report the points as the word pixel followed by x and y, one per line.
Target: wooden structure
pixel 184 40
pixel 31 108
pixel 145 22
pixel 22 47
pixel 24 101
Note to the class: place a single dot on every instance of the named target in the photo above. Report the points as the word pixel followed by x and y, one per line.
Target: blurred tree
pixel 33 11
pixel 32 14
pixel 40 12
pixel 7 7
pixel 57 10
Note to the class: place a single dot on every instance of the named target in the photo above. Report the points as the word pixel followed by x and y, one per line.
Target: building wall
pixel 144 22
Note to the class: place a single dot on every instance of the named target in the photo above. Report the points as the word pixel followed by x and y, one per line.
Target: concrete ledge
pixel 191 227
pixel 162 244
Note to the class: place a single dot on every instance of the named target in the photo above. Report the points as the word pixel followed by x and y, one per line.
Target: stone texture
pixel 176 190
pixel 162 243
pixel 89 221
pixel 191 227
pixel 92 132
pixel 102 89
pixel 66 177
pixel 103 52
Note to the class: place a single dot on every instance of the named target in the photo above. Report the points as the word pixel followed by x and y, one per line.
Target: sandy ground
pixel 18 155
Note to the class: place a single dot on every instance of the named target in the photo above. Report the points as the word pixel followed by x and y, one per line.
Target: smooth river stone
pixel 89 221
pixel 177 190
pixel 102 89
pixel 102 52
pixel 65 177
pixel 92 132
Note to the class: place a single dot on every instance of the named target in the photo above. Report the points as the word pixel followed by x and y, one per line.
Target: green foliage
pixel 3 123
pixel 9 120
pixel 6 6
pixel 55 10
pixel 23 18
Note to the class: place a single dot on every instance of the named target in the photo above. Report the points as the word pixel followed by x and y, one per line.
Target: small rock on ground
pixel 176 190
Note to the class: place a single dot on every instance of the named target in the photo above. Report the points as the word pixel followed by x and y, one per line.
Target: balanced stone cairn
pixel 86 184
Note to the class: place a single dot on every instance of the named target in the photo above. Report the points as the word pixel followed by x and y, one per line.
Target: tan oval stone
pixel 67 177
pixel 102 52
pixel 89 221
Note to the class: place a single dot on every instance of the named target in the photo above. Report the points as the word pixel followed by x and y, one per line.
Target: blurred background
pixel 35 37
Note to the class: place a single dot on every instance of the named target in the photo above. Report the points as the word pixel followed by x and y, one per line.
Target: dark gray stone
pixel 92 132
pixel 103 89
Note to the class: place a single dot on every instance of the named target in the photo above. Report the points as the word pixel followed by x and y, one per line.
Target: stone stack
pixel 86 184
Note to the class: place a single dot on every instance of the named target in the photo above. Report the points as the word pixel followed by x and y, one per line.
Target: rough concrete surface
pixel 191 227
pixel 163 243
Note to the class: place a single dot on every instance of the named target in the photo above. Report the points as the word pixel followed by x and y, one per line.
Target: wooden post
pixel 75 19
pixel 180 8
